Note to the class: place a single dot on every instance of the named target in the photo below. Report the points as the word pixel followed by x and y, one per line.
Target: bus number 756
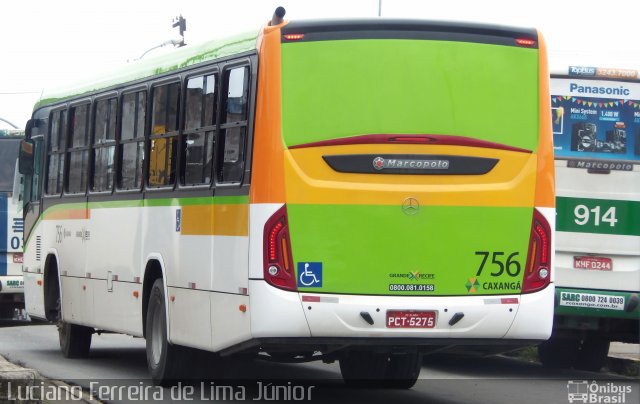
pixel 511 265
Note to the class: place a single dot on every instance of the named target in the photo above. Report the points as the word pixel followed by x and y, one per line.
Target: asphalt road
pixel 116 372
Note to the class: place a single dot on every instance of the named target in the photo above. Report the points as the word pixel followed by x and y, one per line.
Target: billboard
pixel 596 119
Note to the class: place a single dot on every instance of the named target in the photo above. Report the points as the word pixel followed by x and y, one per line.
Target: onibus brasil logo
pixel 597 392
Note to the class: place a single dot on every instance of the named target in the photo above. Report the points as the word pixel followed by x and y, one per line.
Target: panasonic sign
pixel 599 90
pixel 595 89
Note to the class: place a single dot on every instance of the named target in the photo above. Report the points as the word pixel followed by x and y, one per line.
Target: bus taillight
pixel 527 42
pixel 278 268
pixel 537 273
pixel 293 37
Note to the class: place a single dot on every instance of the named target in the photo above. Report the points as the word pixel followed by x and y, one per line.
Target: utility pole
pixel 181 24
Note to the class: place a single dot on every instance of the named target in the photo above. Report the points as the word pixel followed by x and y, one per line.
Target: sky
pixel 47 44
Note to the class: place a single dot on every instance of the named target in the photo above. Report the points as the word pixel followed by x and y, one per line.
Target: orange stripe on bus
pixel 218 220
pixel 545 184
pixel 68 214
pixel 267 174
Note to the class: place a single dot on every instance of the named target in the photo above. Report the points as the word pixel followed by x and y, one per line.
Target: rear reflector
pixel 278 268
pixel 509 300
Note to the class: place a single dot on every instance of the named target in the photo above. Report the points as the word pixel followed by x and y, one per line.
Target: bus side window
pixel 164 135
pixel 104 137
pixel 55 153
pixel 199 130
pixel 233 130
pixel 78 158
pixel 131 142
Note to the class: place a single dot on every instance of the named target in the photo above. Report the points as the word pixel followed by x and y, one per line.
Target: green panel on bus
pixel 379 250
pixel 335 89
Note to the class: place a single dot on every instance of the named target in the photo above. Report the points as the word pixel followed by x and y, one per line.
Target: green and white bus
pixel 596 127
pixel 356 190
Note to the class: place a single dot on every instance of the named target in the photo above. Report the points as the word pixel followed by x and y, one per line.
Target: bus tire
pixel 370 369
pixel 558 353
pixel 75 340
pixel 166 362
pixel 592 354
pixel 403 370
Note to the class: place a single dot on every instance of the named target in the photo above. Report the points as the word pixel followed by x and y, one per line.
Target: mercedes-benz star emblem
pixel 411 206
pixel 378 163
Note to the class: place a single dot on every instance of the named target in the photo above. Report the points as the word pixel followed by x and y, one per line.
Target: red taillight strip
pixel 278 263
pixel 539 255
pixel 544 250
pixel 272 241
pixel 444 140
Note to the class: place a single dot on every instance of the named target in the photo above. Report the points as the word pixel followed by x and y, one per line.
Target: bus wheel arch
pixel 167 363
pixel 51 286
pixel 75 340
pixel 153 271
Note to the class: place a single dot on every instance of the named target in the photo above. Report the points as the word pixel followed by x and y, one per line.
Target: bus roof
pixel 190 55
pixel 155 66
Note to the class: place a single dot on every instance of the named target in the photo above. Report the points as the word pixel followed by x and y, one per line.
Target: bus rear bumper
pixel 278 313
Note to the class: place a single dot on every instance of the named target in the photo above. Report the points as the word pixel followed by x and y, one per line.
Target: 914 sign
pixel 584 215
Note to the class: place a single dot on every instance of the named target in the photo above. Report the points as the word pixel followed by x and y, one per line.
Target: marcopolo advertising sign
pixel 596 119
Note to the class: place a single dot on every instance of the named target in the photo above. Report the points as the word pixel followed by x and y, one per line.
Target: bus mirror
pixel 31 123
pixel 25 157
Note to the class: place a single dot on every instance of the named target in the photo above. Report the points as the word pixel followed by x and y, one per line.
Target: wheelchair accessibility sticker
pixel 310 274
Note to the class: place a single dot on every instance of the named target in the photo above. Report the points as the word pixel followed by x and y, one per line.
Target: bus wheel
pixel 592 354
pixel 75 340
pixel 165 361
pixel 369 369
pixel 557 353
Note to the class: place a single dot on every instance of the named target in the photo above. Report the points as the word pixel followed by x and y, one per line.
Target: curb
pixel 623 365
pixel 624 358
pixel 24 385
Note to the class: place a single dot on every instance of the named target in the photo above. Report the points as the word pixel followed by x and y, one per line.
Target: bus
pixel 11 226
pixel 596 130
pixel 361 191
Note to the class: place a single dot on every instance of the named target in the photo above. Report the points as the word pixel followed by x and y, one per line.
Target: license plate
pixel 411 319
pixel 595 263
pixel 17 258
